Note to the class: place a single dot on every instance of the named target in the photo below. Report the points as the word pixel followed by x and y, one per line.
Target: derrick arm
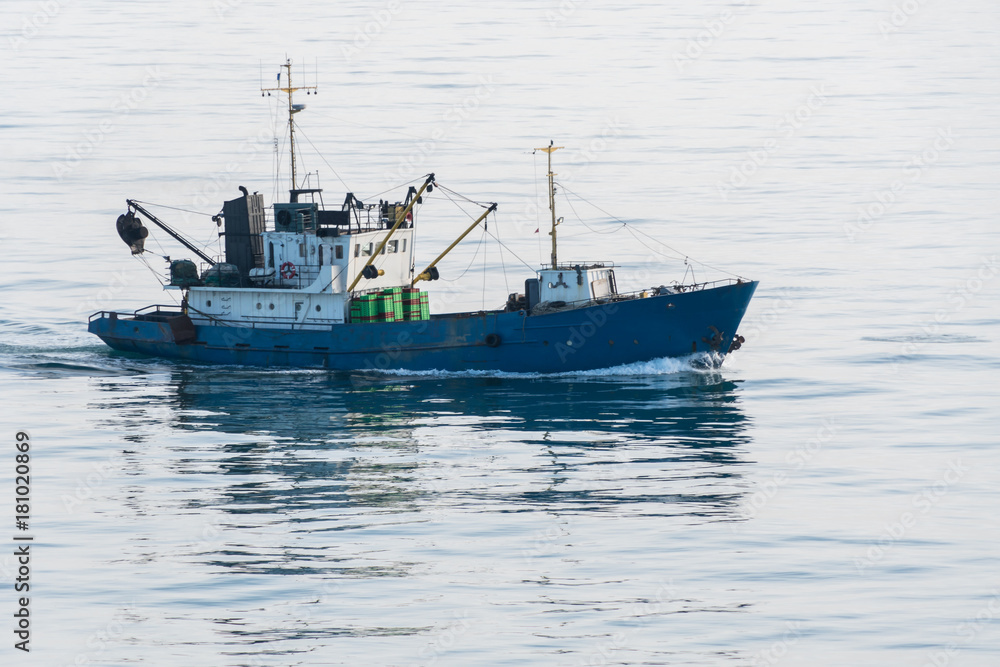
pixel 165 227
pixel 429 186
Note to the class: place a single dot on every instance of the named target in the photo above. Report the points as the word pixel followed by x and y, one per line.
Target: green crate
pixel 365 308
pixel 390 309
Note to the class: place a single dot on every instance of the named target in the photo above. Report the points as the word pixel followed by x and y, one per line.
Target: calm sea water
pixel 827 497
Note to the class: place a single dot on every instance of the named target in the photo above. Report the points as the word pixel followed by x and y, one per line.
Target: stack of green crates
pixel 415 305
pixel 391 305
pixel 425 306
pixel 411 303
pixel 395 304
pixel 365 308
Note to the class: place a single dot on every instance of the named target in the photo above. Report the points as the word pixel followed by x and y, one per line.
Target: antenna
pixel 293 109
pixel 552 196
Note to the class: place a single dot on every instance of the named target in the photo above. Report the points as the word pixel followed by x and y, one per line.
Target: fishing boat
pixel 312 287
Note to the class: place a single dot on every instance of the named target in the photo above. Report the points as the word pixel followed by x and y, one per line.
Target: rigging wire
pixel 474 255
pixel 415 137
pixel 173 208
pixel 633 230
pixel 203 245
pixel 272 109
pixel 394 187
pixel 324 160
pixel 503 265
pixel 141 257
pixel 160 246
pixel 491 234
pixel 459 206
pixel 486 247
pixel 458 194
pixel 280 150
pixel 482 237
pixel 569 203
pixel 156 275
pixel 506 247
pixel 538 211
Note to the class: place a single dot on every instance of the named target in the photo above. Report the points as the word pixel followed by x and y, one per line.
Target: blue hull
pixel 598 336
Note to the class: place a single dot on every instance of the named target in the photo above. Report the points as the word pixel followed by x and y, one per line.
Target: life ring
pixel 288 270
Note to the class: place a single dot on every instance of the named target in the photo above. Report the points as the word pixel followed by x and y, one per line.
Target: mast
pixel 292 110
pixel 552 197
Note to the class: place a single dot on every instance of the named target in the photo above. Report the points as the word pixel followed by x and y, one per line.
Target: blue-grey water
pixel 827 497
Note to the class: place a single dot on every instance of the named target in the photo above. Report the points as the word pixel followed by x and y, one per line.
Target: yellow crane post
pixel 428 185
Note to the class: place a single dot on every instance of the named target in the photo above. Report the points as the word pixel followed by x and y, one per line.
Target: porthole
pixel 318 309
pixel 258 305
pixel 270 306
pixel 208 303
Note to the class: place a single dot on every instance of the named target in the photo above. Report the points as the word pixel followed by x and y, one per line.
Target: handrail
pixel 650 291
pixel 159 308
pixel 601 264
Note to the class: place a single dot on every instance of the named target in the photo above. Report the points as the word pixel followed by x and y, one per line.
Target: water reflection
pixel 332 492
pixel 314 441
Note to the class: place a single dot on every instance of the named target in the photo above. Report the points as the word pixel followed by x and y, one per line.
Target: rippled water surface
pixel 827 497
